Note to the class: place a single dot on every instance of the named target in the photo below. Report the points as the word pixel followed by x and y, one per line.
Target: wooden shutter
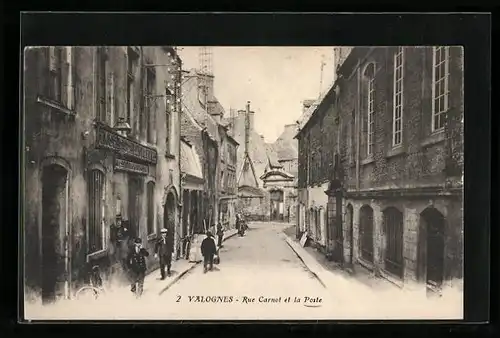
pixel 64 80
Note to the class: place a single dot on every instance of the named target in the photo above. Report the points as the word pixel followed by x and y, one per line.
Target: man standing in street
pixel 220 234
pixel 137 263
pixel 208 250
pixel 164 249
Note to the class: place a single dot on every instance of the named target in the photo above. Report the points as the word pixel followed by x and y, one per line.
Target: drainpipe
pixel 358 122
pixel 178 97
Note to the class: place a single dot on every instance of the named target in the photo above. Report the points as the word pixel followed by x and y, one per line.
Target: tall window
pixel 440 74
pixel 55 73
pixel 151 207
pixel 168 118
pixel 132 57
pixel 150 102
pixel 96 211
pixel 393 228
pixel 366 232
pixel 397 119
pixel 352 148
pixel 370 100
pixel 101 84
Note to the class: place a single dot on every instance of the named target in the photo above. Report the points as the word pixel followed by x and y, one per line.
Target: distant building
pixel 381 161
pixel 102 143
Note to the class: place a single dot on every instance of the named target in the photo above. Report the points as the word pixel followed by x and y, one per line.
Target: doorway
pixel 134 193
pixel 169 212
pixel 433 224
pixel 54 227
pixel 277 205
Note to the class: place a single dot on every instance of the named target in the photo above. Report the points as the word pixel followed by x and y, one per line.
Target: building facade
pixel 102 143
pixel 384 151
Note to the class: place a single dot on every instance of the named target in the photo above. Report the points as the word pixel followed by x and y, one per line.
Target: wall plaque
pixel 137 168
pixel 110 140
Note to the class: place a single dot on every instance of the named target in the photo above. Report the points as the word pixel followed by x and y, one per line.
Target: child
pixel 137 263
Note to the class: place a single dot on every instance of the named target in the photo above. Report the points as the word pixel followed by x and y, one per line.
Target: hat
pixel 209 233
pixel 138 240
pixel 164 230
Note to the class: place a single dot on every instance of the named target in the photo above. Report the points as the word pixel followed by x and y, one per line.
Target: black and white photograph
pixel 243 183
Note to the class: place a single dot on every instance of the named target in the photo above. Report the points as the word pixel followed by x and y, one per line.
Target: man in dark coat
pixel 137 264
pixel 220 235
pixel 208 250
pixel 164 249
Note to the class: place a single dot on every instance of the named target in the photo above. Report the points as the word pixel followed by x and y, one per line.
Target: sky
pixel 274 79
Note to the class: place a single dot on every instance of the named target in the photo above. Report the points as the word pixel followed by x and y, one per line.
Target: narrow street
pixel 259 271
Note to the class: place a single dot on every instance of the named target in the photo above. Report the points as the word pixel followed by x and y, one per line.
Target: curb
pixel 288 241
pixel 179 276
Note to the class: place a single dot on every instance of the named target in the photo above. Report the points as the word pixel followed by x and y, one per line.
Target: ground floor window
pixel 393 229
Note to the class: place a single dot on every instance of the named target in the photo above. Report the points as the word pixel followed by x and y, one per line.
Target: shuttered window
pixel 55 73
pixel 366 233
pixel 96 211
pixel 393 228
pixel 151 207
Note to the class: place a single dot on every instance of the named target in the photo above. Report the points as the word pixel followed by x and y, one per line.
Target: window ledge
pixel 169 155
pixel 152 236
pixel 397 151
pixel 97 255
pixel 367 160
pixel 434 138
pixel 56 105
pixel 396 280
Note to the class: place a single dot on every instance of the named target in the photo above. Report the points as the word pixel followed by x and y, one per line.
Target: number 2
pixel 178 299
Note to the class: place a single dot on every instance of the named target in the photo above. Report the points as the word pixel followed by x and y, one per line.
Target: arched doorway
pixel 54 225
pixel 277 205
pixel 432 225
pixel 170 212
pixel 366 233
pixel 350 232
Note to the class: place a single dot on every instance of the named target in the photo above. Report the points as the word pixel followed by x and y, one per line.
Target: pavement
pixel 262 275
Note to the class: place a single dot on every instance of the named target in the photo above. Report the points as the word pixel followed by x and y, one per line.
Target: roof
pixel 286 146
pixel 280 172
pixel 190 162
pixel 246 190
pixel 191 103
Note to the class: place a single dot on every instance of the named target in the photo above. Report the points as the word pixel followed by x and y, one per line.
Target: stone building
pixel 280 175
pixel 384 148
pixel 101 143
pixel 203 125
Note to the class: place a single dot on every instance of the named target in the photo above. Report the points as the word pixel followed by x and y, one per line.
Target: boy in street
pixel 137 263
pixel 164 249
pixel 208 250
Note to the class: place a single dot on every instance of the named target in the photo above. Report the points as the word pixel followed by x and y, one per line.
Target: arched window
pixel 96 238
pixel 397 117
pixel 393 228
pixel 366 233
pixel 151 207
pixel 370 100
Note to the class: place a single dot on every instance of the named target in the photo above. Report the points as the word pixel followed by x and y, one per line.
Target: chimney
pixel 306 104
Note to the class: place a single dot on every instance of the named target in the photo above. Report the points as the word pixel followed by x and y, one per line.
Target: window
pixel 55 73
pixel 151 207
pixel 397 118
pixel 366 233
pixel 352 148
pixel 168 118
pixel 393 228
pixel 132 57
pixel 150 104
pixel 440 74
pixel 101 84
pixel 96 238
pixel 370 95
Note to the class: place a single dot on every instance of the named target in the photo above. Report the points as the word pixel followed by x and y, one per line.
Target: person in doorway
pixel 164 249
pixel 137 264
pixel 220 234
pixel 122 243
pixel 208 250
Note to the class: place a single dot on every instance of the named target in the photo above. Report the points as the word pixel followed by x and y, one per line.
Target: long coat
pixel 164 247
pixel 208 247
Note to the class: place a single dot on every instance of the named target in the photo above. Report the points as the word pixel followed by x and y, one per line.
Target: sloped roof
pixel 190 162
pixel 194 107
pixel 282 173
pixel 247 190
pixel 286 146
